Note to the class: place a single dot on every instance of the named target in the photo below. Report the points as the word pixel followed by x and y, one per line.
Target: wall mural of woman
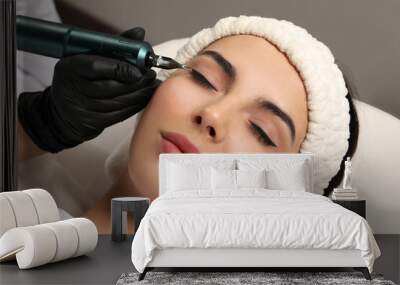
pixel 243 94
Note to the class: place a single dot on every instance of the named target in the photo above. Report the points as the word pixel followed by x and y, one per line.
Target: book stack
pixel 344 194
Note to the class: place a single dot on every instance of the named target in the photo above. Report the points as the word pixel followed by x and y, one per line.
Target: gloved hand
pixel 88 94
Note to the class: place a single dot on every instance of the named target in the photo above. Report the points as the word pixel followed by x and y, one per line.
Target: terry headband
pixel 328 108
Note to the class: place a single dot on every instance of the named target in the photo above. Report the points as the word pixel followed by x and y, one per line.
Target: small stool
pixel 119 208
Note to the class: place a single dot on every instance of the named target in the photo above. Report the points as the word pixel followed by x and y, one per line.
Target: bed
pixel 248 225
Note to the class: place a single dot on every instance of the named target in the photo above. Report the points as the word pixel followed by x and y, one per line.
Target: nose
pixel 212 120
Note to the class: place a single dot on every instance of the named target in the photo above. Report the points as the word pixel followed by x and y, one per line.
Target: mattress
pixel 250 218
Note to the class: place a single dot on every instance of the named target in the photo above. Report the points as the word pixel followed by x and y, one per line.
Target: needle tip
pixel 184 66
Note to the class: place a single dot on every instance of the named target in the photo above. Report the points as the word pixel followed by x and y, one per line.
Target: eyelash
pixel 261 135
pixel 200 78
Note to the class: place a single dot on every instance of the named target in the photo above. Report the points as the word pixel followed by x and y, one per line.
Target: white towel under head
pixel 328 108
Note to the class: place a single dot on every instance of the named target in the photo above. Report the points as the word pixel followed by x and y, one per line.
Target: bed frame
pixel 252 259
pixel 249 259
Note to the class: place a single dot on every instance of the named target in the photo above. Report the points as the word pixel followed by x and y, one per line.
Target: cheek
pixel 174 96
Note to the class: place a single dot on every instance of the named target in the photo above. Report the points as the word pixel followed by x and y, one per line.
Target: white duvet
pixel 253 218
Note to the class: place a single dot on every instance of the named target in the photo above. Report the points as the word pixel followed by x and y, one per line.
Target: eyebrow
pixel 226 66
pixel 262 103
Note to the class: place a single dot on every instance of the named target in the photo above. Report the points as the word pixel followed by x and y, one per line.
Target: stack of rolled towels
pixel 32 233
pixel 345 194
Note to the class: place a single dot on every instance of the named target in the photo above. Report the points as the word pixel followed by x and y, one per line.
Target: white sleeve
pixel 35 72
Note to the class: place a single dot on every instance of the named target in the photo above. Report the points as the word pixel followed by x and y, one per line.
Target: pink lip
pixel 176 143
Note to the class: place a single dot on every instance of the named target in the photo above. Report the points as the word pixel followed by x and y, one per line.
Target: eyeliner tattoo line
pixel 201 78
pixel 262 135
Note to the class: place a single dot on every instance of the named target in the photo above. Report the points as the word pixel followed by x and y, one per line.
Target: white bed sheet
pixel 252 218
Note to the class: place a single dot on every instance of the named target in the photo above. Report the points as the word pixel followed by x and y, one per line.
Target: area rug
pixel 269 278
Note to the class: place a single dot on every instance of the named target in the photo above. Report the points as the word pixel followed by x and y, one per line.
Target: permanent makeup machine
pixel 59 40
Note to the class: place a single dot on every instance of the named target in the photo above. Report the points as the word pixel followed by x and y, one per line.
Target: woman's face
pixel 245 97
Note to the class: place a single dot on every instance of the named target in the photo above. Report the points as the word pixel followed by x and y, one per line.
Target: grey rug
pixel 270 278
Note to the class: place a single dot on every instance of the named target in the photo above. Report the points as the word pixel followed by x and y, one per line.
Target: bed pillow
pixel 182 177
pixel 223 179
pixel 293 179
pixel 256 178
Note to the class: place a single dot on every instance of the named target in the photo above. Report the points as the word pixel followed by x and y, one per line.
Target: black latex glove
pixel 88 94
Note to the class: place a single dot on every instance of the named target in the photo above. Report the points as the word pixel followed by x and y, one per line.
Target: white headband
pixel 328 108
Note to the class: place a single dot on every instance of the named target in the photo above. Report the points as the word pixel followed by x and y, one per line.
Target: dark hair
pixel 353 138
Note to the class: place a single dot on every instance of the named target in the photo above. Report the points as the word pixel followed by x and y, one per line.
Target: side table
pixel 119 208
pixel 357 206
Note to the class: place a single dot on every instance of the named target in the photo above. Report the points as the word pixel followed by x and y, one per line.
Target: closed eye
pixel 200 78
pixel 261 135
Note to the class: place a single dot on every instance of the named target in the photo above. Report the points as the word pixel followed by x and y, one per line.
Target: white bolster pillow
pixel 26 208
pixel 67 239
pixel 87 235
pixel 40 244
pixel 46 207
pixel 32 246
pixel 7 218
pixel 23 208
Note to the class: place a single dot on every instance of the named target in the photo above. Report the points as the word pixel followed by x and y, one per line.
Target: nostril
pixel 212 131
pixel 198 119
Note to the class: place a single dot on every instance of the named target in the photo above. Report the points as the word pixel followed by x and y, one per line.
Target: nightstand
pixel 119 208
pixel 357 206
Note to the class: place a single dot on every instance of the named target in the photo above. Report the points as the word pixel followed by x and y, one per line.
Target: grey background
pixel 363 35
